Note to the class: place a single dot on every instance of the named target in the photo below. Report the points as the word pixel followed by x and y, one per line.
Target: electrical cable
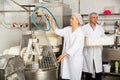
pixel 6 25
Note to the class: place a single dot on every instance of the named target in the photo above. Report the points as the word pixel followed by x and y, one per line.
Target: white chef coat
pixel 71 66
pixel 93 54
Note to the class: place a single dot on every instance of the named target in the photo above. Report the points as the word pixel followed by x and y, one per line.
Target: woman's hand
pixel 49 17
pixel 52 21
pixel 60 58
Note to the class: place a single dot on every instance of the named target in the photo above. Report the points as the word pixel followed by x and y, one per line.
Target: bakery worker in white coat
pixel 93 54
pixel 72 55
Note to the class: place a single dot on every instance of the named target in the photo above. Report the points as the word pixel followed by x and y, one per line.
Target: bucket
pixel 106 68
pixel 41 75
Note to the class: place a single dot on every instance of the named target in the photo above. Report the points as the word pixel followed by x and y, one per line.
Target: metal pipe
pixel 13 11
pixel 1 8
pixel 30 19
pixel 28 5
pixel 79 6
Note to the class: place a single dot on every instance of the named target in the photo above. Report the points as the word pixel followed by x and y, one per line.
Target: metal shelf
pixel 111 74
pixel 103 14
pixel 19 10
pixel 12 11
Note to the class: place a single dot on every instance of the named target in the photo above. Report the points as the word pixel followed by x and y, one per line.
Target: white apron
pixel 93 54
pixel 71 66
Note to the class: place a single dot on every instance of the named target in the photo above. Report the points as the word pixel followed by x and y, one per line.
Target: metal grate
pixel 48 58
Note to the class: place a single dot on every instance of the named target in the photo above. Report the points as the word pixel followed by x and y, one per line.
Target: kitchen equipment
pixel 11 68
pixel 39 58
pixel 47 66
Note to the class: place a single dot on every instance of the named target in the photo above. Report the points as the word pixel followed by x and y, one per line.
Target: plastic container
pixel 106 67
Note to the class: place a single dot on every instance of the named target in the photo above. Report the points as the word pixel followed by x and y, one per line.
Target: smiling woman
pixel 72 51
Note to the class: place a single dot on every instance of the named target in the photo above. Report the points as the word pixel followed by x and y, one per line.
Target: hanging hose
pixel 40 27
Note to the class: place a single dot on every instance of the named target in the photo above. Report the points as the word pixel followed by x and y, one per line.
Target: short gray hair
pixel 93 13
